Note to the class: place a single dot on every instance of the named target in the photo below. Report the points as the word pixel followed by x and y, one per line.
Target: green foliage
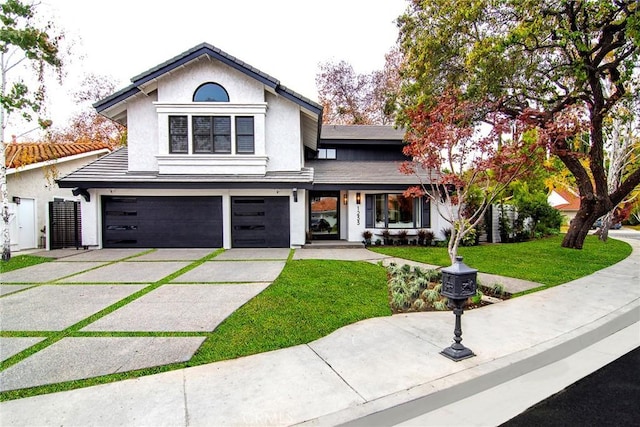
pixel 543 261
pixel 559 67
pixel 414 289
pixel 22 261
pixel 37 45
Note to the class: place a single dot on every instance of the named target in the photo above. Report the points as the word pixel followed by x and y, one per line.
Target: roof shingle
pixel 22 154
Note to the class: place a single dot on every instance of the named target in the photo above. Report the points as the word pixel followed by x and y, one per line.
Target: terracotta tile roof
pixel 26 153
pixel 569 196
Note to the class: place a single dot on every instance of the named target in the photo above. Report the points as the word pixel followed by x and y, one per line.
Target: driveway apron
pixel 99 312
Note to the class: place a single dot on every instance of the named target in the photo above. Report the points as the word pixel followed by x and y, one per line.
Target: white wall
pixel 142 133
pixel 278 135
pixel 38 184
pixel 284 136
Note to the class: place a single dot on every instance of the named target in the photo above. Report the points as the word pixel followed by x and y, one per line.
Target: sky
pixel 286 39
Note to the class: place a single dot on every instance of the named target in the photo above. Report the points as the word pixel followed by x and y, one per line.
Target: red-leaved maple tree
pixel 454 154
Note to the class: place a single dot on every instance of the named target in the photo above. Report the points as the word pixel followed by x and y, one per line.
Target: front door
pixel 27 224
pixel 324 223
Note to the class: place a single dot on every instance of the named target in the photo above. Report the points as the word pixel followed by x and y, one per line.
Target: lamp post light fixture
pixel 459 282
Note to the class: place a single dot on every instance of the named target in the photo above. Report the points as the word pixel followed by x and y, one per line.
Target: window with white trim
pixel 396 211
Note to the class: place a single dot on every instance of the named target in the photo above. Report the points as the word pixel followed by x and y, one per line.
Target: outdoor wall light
pixel 358 198
pixel 16 200
pixel 295 195
pixel 345 199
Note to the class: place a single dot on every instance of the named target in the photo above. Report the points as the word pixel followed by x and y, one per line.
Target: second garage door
pixel 260 222
pixel 162 222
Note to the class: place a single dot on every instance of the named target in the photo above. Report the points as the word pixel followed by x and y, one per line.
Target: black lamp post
pixel 458 284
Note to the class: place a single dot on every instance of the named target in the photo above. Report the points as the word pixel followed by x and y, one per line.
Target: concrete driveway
pixel 115 310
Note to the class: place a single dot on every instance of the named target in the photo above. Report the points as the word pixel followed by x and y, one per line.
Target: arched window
pixel 210 92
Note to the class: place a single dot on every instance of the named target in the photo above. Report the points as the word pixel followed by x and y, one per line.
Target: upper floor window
pixel 210 92
pixel 211 134
pixel 327 153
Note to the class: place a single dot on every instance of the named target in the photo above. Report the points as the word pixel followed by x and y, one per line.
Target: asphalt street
pixel 608 397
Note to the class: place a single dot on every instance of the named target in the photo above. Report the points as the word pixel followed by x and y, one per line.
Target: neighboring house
pixel 221 154
pixel 31 172
pixel 566 201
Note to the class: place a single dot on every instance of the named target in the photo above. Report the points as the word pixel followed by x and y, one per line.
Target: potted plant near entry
pixel 367 237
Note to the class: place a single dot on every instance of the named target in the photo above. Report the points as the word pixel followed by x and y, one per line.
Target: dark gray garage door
pixel 162 222
pixel 260 222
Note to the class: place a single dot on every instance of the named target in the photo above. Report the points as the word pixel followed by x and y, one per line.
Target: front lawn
pixel 309 300
pixel 543 261
pixel 21 261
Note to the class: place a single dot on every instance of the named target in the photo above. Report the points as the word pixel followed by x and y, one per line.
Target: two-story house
pixel 221 154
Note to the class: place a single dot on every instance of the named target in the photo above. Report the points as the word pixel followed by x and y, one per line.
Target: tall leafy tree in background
pixel 560 66
pixel 22 42
pixel 349 98
pixel 87 126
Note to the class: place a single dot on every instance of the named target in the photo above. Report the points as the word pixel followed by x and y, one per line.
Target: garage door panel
pixel 162 222
pixel 260 222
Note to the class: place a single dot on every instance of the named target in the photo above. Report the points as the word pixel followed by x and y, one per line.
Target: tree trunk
pixel 581 224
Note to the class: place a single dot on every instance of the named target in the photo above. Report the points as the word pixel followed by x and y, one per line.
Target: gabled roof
pixel 29 153
pixel 215 53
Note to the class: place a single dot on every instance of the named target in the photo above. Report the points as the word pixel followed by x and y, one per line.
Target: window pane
pixel 201 125
pixel 400 211
pixel 179 144
pixel 178 139
pixel 380 211
pixel 211 92
pixel 222 143
pixel 245 144
pixel 222 125
pixel 244 125
pixel 222 134
pixel 244 135
pixel 202 144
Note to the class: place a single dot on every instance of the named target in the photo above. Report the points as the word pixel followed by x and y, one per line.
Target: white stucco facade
pixel 34 185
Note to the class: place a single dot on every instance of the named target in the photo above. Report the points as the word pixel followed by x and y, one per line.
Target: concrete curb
pixel 425 398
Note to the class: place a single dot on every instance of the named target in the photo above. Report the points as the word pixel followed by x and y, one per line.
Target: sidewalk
pixel 388 365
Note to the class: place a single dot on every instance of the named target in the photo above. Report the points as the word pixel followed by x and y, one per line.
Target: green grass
pixel 309 300
pixel 543 261
pixel 21 261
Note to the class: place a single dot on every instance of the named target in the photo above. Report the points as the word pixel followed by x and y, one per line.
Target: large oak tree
pixel 559 65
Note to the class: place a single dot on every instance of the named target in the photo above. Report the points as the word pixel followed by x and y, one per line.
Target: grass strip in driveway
pixel 22 261
pixel 309 300
pixel 543 261
pixel 74 330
